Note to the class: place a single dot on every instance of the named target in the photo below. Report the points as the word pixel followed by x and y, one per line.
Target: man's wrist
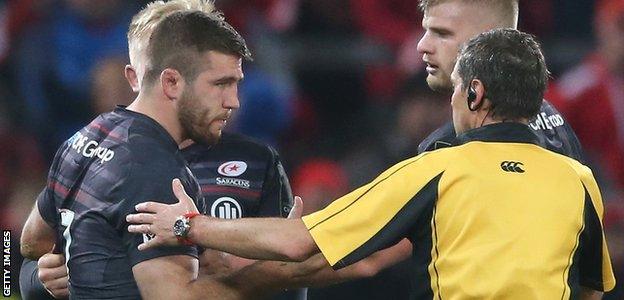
pixel 182 228
pixel 194 233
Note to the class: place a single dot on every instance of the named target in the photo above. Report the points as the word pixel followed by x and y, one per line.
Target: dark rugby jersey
pixel 240 178
pixel 553 131
pixel 120 159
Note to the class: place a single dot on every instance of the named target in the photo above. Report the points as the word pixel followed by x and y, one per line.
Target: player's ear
pixel 172 83
pixel 132 78
pixel 476 94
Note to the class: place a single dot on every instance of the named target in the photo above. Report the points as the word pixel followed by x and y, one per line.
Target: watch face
pixel 180 228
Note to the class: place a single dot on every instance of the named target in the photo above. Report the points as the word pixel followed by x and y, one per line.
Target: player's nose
pixel 424 44
pixel 231 100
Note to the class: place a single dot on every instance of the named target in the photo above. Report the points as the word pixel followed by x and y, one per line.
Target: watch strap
pixel 185 240
pixel 190 215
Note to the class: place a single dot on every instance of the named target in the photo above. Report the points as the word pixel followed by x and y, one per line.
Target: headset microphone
pixel 472 96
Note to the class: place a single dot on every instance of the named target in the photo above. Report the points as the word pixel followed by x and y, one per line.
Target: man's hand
pixel 157 218
pixel 53 275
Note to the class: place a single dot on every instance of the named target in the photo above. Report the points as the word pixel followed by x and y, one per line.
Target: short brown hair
pixel 508 8
pixel 180 38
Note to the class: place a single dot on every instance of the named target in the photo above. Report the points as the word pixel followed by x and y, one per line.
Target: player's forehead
pixel 217 64
pixel 456 16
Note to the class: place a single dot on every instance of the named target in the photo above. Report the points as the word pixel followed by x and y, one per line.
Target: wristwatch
pixel 182 226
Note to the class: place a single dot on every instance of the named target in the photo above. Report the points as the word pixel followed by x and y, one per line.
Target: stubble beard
pixel 190 118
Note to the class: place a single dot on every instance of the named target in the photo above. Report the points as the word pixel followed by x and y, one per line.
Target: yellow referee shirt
pixel 496 217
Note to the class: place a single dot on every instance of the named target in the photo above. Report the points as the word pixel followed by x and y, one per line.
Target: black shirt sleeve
pixel 46 201
pixel 30 286
pixel 47 208
pixel 441 138
pixel 149 182
pixel 277 198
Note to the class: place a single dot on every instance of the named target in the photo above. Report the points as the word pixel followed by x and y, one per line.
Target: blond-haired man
pixel 450 23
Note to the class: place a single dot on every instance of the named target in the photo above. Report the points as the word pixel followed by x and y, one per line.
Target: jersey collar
pixel 510 132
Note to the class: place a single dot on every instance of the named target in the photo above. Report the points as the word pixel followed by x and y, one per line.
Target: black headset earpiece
pixel 472 96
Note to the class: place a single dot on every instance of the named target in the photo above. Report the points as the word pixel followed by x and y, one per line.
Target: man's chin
pixel 439 85
pixel 208 140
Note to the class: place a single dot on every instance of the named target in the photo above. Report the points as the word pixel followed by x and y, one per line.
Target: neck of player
pixel 153 106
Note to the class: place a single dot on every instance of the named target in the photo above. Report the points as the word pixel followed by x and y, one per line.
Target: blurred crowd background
pixel 336 86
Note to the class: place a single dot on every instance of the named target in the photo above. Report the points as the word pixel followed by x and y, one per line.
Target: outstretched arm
pixel 322 274
pixel 219 262
pixel 316 271
pixel 257 238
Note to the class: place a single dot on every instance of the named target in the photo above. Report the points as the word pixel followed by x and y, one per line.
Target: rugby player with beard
pixel 449 24
pixel 238 176
pixel 131 155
